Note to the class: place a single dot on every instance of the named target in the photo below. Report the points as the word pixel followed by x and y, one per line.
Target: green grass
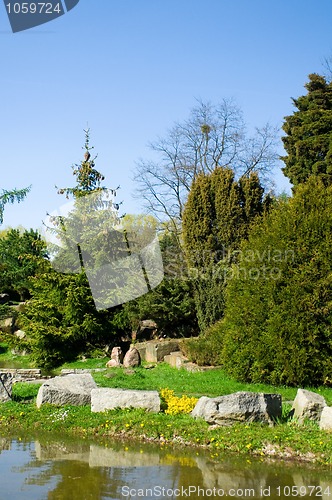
pixel 210 383
pixel 287 439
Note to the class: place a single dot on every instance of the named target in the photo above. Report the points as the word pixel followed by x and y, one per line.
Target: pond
pixel 38 469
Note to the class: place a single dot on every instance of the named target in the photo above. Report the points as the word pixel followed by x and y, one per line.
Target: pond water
pixel 41 469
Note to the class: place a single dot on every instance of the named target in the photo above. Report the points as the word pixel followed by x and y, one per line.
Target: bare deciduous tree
pixel 213 135
pixel 327 65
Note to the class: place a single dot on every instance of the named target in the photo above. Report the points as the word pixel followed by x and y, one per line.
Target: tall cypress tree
pixel 217 217
pixel 308 140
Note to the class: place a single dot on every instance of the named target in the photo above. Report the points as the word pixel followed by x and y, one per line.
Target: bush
pixel 204 350
pixel 61 321
pixel 278 318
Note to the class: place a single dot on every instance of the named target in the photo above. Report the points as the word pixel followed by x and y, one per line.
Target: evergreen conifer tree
pixel 277 323
pixel 12 196
pixel 308 140
pixel 216 219
pixel 61 320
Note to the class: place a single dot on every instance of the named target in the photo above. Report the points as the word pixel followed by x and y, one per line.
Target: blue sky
pixel 130 69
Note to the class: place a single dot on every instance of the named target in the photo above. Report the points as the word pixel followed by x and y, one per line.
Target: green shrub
pixel 205 350
pixel 61 321
pixel 278 318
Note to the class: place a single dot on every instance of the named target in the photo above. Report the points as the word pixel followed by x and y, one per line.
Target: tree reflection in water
pixel 64 470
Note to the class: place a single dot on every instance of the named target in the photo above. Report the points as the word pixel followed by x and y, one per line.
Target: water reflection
pixel 77 470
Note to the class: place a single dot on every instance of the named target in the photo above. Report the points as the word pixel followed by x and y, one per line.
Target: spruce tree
pixel 12 196
pixel 61 320
pixel 88 179
pixel 308 140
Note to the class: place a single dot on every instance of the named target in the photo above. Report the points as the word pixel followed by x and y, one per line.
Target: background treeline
pixel 247 273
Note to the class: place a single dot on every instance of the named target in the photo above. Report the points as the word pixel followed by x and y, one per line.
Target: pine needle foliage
pixel 11 196
pixel 61 320
pixel 308 140
pixel 278 317
pixel 217 217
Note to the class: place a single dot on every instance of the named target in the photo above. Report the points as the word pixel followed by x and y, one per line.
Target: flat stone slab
pixel 308 405
pixel 176 359
pixel 24 374
pixel 239 407
pixel 74 389
pixel 78 371
pixel 107 399
pixel 325 423
pixel 154 351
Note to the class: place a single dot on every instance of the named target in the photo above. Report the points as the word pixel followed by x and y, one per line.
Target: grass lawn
pixel 285 440
pixel 210 383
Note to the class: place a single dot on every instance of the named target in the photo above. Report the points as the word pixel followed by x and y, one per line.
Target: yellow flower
pixel 176 405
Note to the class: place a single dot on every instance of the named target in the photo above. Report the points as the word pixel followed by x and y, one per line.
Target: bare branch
pixel 213 136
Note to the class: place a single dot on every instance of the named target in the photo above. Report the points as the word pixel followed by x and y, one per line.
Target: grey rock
pixel 308 405
pixel 108 399
pixel 147 329
pixel 69 371
pixel 141 347
pixel 239 407
pixel 24 374
pixel 6 385
pixel 116 358
pixel 112 363
pixel 157 350
pixel 132 358
pixel 176 359
pixel 325 423
pixel 74 389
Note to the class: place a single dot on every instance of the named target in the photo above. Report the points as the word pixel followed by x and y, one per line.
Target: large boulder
pixel 108 399
pixel 132 358
pixel 308 405
pixel 176 359
pixel 6 384
pixel 239 407
pixel 74 389
pixel 157 350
